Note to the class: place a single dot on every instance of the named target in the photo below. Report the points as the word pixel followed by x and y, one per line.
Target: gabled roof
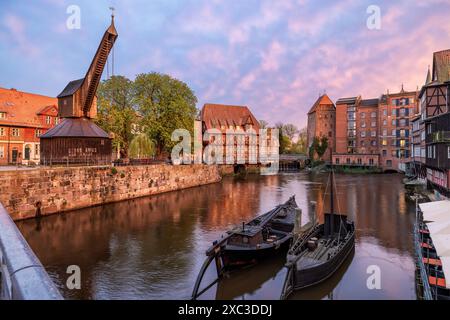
pixel 74 128
pixel 322 100
pixel 441 66
pixel 23 108
pixel 428 79
pixel 49 110
pixel 71 87
pixel 216 115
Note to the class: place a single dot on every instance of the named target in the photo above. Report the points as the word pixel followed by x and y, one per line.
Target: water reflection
pixel 152 248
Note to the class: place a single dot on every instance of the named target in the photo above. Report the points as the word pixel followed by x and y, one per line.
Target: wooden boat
pixel 318 252
pixel 262 237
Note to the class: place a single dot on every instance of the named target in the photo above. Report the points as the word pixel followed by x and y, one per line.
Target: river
pixel 153 248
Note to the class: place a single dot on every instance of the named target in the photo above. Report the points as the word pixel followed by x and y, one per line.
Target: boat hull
pixel 307 277
pixel 233 257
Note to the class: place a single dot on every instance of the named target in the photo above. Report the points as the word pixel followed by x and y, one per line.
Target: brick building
pixel 23 118
pixel 434 125
pixel 396 112
pixel 238 119
pixel 375 132
pixel 322 122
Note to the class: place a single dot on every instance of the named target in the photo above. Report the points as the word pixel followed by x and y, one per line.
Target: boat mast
pixel 331 195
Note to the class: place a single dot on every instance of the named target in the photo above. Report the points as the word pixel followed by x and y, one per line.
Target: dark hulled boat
pixel 264 236
pixel 319 251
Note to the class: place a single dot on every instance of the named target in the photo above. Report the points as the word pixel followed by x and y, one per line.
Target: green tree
pixel 290 130
pixel 166 104
pixel 321 145
pixel 141 147
pixel 284 141
pixel 116 113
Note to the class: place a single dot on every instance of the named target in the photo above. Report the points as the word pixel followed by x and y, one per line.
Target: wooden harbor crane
pixel 77 140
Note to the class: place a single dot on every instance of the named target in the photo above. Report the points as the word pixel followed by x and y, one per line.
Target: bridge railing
pixel 22 276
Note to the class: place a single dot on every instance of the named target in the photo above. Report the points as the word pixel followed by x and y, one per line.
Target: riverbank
pixel 45 191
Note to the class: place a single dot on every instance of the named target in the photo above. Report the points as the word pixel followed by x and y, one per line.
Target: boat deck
pixel 317 256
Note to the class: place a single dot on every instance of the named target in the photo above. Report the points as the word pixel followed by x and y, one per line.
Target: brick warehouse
pixel 24 117
pixel 370 132
pixel 321 122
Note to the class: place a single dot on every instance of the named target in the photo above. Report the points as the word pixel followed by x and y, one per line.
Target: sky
pixel 274 56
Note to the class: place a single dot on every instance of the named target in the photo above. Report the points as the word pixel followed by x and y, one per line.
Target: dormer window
pixel 2 115
pixel 48 119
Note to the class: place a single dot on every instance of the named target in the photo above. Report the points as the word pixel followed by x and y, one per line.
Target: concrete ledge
pixel 22 275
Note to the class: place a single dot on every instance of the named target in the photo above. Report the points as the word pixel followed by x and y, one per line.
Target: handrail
pixel 22 276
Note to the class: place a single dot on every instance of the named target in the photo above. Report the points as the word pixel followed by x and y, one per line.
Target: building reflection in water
pixel 152 248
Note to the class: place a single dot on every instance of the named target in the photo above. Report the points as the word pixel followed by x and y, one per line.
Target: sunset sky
pixel 274 56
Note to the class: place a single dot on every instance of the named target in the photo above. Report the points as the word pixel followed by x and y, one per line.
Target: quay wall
pixel 44 191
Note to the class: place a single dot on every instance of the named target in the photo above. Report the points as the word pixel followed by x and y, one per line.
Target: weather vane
pixel 112 11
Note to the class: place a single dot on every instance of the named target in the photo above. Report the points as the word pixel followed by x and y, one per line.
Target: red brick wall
pixel 341 129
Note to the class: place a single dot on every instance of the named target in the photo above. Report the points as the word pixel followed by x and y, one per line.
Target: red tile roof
pixel 23 109
pixel 322 100
pixel 216 115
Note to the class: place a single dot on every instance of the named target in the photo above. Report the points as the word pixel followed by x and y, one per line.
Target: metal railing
pixel 22 276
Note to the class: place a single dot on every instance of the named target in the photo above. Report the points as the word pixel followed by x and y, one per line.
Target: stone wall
pixel 25 193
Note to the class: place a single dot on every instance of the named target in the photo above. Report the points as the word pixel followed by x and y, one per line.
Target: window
pixel 402 122
pixel 36 150
pixel 2 132
pixel 389 163
pixel 402 112
pixel 371 162
pixel 48 119
pixel 363 124
pixel 363 115
pixel 348 160
pixel 38 133
pixel 402 143
pixel 393 133
pixel 373 133
pixel 384 143
pixel 402 133
pixel 363 143
pixel 394 113
pixel 2 115
pixel 384 132
pixel 374 143
pixel 56 120
pixel 385 112
pixel 359 161
pixel 2 151
pixel 15 132
pixel 384 122
pixel 363 134
pixel 384 153
pixel 337 160
pixel 373 124
pixel 393 122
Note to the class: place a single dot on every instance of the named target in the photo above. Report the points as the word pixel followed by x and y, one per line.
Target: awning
pixel 441 227
pixel 435 211
pixel 437 214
